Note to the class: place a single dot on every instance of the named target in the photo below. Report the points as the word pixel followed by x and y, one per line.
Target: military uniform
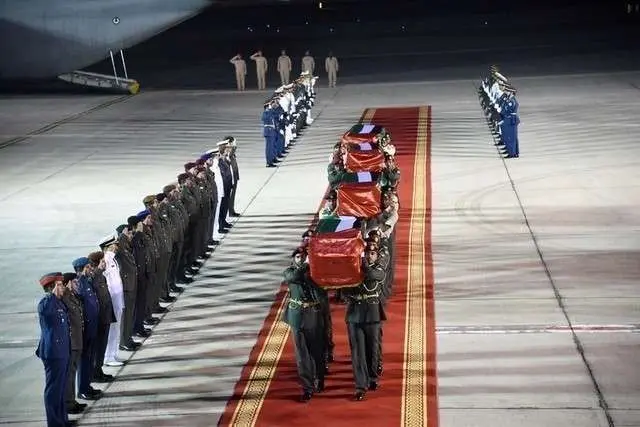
pixel 236 177
pixel 105 318
pixel 364 316
pixel 75 313
pixel 128 275
pixel 304 315
pixel 91 314
pixel 54 350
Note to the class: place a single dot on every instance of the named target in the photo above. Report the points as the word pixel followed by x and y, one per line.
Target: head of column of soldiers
pixel 373 237
pixel 70 281
pixel 145 218
pixel 307 53
pixel 201 174
pixel 331 201
pixel 184 179
pixel 190 168
pixel 283 52
pixel 299 256
pixel 201 167
pixel 134 225
pixel 123 230
pixel 149 202
pixel 82 266
pixel 161 199
pixel 52 283
pixel 259 53
pixel 390 162
pixel 109 244
pixel 96 259
pixel 170 191
pixel 371 254
pixel 306 236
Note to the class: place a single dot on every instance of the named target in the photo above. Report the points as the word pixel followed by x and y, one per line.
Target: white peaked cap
pixel 221 143
pixel 212 151
pixel 107 240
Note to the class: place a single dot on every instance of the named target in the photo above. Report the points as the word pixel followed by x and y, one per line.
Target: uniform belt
pixel 361 297
pixel 303 304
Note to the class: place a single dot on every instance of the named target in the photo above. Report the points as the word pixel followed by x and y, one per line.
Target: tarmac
pixel 536 259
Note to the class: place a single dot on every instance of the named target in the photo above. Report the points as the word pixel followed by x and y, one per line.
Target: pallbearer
pixel 305 317
pixel 364 316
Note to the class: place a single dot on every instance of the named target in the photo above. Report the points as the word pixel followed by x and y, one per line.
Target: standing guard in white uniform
pixel 114 281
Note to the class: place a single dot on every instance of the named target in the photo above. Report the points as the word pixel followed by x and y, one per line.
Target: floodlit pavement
pixel 537 259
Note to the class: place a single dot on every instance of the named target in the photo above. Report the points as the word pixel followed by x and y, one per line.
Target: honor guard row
pixel 109 299
pixel 284 67
pixel 285 114
pixel 500 106
pixel 308 310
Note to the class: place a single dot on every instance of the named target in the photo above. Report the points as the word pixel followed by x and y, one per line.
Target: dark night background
pixel 390 40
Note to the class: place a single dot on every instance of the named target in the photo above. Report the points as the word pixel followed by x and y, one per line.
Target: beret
pixel 149 199
pixel 50 278
pixel 80 263
pixel 200 161
pixel 298 250
pixel 168 188
pixel 143 214
pixel 189 165
pixel 132 221
pixel 120 228
pixel 95 257
pixel 160 197
pixel 107 240
pixel 67 277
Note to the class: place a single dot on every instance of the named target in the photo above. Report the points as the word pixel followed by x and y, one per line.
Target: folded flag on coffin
pixel 335 259
pixel 362 200
pixel 363 132
pixel 334 224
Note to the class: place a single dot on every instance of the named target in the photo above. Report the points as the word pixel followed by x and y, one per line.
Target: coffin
pixel 362 200
pixel 335 259
pixel 364 161
pixel 363 132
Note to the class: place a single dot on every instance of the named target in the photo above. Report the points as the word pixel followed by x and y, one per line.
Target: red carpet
pixel 268 390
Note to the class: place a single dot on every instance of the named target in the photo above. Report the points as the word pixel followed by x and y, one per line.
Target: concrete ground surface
pixel 537 259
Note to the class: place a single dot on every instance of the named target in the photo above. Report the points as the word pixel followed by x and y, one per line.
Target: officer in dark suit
pixel 304 315
pixel 227 182
pixel 106 316
pixel 54 348
pixel 75 313
pixel 364 316
pixel 91 313
pixel 129 277
pixel 509 122
pixel 270 133
pixel 236 175
pixel 144 274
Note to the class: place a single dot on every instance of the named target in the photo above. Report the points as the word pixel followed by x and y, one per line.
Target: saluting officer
pixel 128 273
pixel 304 315
pixel 233 146
pixel 363 316
pixel 75 313
pixel 91 313
pixel 54 348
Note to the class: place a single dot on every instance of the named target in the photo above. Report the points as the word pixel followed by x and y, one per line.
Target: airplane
pixel 42 39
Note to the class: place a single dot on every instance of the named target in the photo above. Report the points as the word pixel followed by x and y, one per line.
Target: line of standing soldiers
pixel 500 106
pixel 88 315
pixel 285 114
pixel 308 310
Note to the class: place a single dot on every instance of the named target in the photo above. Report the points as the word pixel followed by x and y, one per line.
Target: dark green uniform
pixel 322 296
pixel 364 316
pixel 304 315
pixel 75 311
pixel 336 174
pixel 128 274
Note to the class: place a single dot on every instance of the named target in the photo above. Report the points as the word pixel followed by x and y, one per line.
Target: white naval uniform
pixel 292 114
pixel 220 190
pixel 284 104
pixel 114 282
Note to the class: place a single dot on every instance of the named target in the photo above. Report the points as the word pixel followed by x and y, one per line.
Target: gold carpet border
pixel 414 382
pixel 254 393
